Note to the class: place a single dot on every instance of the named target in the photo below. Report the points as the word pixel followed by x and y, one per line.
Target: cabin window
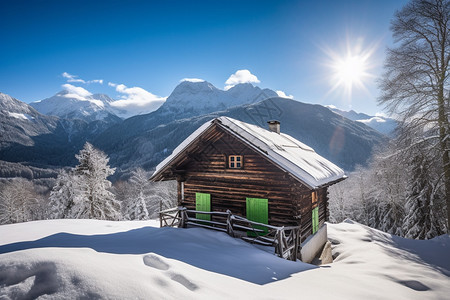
pixel 235 161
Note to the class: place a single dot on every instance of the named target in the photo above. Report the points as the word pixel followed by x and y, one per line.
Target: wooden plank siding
pixel 204 169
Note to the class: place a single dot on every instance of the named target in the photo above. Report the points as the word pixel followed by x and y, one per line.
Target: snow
pixel 203 97
pixel 85 106
pixel 192 80
pixel 290 154
pixel 138 260
pixel 373 119
pixel 20 116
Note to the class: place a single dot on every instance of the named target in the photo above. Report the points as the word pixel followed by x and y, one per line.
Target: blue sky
pixel 288 45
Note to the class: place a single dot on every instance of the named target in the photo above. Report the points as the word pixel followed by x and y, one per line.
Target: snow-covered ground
pixel 137 260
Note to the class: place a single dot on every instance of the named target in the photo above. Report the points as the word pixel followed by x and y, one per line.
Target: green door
pixel 258 211
pixel 315 220
pixel 203 203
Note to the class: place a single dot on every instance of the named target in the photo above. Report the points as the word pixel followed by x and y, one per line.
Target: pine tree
pixel 93 200
pixel 83 191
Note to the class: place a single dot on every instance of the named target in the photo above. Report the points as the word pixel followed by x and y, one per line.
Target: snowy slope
pixel 69 106
pixel 135 260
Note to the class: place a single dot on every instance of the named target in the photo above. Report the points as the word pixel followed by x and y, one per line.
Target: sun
pixel 351 69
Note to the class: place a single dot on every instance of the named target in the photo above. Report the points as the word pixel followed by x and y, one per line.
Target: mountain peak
pixel 193 86
pixel 72 106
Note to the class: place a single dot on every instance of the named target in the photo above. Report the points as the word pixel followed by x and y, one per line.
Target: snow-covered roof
pixel 291 155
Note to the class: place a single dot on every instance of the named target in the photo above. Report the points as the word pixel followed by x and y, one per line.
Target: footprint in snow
pixel 183 281
pixel 154 261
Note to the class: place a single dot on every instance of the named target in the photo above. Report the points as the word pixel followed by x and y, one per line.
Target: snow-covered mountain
pixel 381 124
pixel 30 137
pixel 19 122
pixel 146 139
pixel 70 106
pixel 187 99
pixel 200 97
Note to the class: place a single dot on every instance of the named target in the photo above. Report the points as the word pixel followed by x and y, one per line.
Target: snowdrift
pixel 103 259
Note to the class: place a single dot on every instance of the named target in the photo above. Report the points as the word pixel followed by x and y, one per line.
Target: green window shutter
pixel 203 203
pixel 315 220
pixel 258 211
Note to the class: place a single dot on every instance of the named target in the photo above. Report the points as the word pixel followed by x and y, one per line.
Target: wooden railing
pixel 285 239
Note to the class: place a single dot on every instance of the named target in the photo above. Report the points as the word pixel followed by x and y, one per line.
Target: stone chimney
pixel 274 126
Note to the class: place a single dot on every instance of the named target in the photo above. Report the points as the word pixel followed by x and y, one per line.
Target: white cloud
pixel 96 81
pixel 192 80
pixel 241 76
pixel 331 106
pixel 76 92
pixel 75 78
pixel 72 78
pixel 135 100
pixel 283 95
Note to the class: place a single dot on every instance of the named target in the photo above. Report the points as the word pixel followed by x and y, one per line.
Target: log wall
pixel 204 170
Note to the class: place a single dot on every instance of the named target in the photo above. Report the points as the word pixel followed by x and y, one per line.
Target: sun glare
pixel 350 70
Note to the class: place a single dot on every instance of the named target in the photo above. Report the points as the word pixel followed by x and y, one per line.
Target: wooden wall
pixel 204 170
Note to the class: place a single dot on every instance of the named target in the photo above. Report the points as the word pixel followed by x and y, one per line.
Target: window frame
pixel 233 160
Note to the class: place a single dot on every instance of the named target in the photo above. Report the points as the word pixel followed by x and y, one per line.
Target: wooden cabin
pixel 263 175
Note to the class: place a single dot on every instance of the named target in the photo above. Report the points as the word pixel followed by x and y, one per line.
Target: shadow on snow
pixel 209 250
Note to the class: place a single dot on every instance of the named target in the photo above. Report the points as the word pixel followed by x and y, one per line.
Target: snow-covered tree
pixel 422 220
pixel 400 192
pixel 136 204
pixel 388 181
pixel 62 197
pixel 416 82
pixel 339 205
pixel 17 201
pixel 84 192
pixel 142 199
pixel 93 200
pixel 163 195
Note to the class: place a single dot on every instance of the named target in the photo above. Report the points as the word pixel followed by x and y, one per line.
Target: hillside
pixel 136 260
